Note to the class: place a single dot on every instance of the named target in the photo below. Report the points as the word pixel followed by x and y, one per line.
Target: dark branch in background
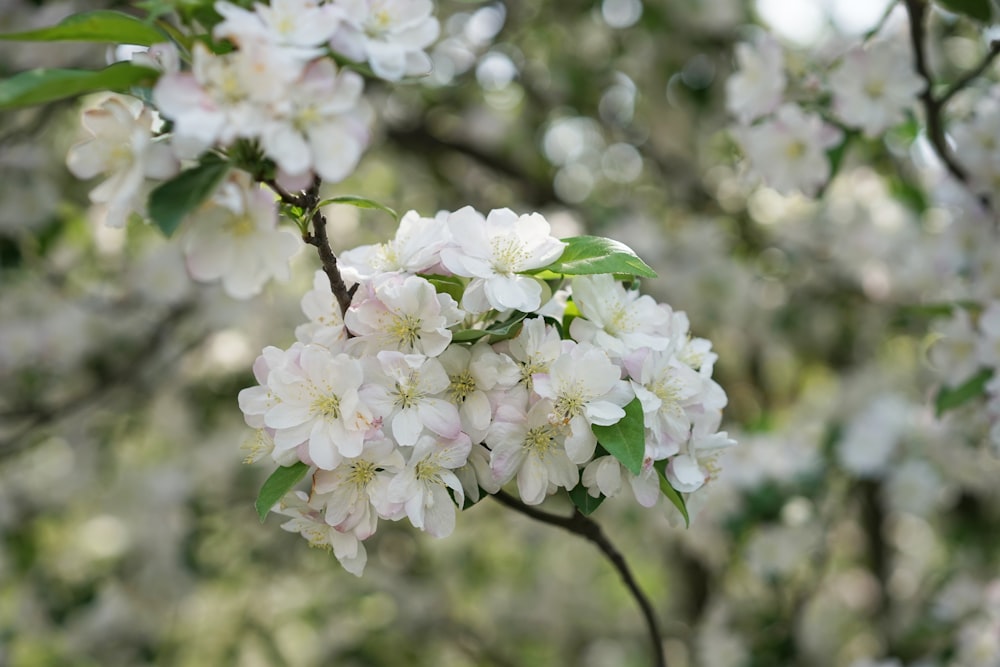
pixel 309 201
pixel 589 529
pixel 934 104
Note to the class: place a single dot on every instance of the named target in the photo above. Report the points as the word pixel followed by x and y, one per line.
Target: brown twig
pixel 589 529
pixel 934 104
pixel 309 201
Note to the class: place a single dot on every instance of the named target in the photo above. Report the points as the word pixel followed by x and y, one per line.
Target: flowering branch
pixel 934 105
pixel 589 529
pixel 309 201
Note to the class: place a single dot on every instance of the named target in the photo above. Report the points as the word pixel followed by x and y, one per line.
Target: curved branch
pixel 589 529
pixel 934 105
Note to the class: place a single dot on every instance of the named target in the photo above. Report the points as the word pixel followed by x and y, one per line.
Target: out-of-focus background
pixel 850 523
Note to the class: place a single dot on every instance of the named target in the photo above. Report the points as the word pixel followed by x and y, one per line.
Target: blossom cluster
pixel 274 88
pixel 467 361
pixel 786 133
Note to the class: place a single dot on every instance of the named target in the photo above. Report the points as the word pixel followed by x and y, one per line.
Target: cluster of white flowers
pixel 458 369
pixel 277 87
pixel 872 86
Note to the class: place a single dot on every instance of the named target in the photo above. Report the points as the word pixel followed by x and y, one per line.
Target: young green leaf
pixel 670 492
pixel 949 398
pixel 97 26
pixel 172 201
pixel 978 10
pixel 450 285
pixel 39 86
pixel 502 331
pixel 585 502
pixel 588 255
pixel 359 202
pixel 626 440
pixel 277 485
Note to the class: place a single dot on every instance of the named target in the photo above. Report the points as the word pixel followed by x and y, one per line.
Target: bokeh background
pixel 850 524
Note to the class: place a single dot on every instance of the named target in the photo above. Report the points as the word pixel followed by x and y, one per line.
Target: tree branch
pixel 309 201
pixel 934 105
pixel 589 529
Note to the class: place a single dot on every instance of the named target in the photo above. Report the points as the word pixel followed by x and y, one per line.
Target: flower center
pixel 362 473
pixel 567 405
pixel 461 386
pixel 327 406
pixel 405 330
pixel 795 150
pixel 240 225
pixel 508 254
pixel 539 440
pixel 428 472
pixel 407 395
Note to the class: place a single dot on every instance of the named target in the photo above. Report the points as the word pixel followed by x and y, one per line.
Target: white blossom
pixel 789 150
pixel 874 85
pixel 423 485
pixel 493 251
pixel 235 237
pixel 122 147
pixel 756 87
pixel 618 320
pixel 390 34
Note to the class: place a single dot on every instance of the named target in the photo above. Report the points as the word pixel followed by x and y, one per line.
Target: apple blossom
pixel 756 87
pixel 121 146
pixel 423 485
pixel 493 251
pixel 235 237
pixel 390 34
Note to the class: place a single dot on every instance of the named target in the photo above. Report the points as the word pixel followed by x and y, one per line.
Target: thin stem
pixel 309 201
pixel 589 529
pixel 972 74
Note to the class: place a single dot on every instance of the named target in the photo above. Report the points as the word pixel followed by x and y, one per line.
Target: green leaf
pixel 97 26
pixel 497 333
pixel 172 201
pixel 978 10
pixel 585 502
pixel 39 86
pixel 670 492
pixel 277 485
pixel 588 255
pixel 626 440
pixel 359 202
pixel 950 398
pixel 450 285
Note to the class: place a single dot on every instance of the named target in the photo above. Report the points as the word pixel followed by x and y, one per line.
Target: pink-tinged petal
pixel 684 474
pixel 88 159
pixel 476 410
pixel 336 148
pixel 646 488
pixel 604 413
pixel 286 146
pixel 455 453
pixel 532 481
pixel 321 449
pixel 609 476
pixel 286 415
pixel 440 416
pixel 562 471
pixel 407 427
pixel 580 444
pixel 517 293
pixel 505 461
pixel 439 515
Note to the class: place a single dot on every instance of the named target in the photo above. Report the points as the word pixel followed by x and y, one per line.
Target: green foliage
pixel 670 492
pixel 39 86
pixel 97 26
pixel 950 398
pixel 626 440
pixel 978 10
pixel 172 201
pixel 585 502
pixel 588 255
pixel 450 285
pixel 277 485
pixel 502 331
pixel 359 202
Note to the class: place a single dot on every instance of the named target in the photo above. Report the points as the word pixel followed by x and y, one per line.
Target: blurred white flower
pixel 390 34
pixel 756 87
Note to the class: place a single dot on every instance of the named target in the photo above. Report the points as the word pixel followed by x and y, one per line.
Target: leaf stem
pixel 590 530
